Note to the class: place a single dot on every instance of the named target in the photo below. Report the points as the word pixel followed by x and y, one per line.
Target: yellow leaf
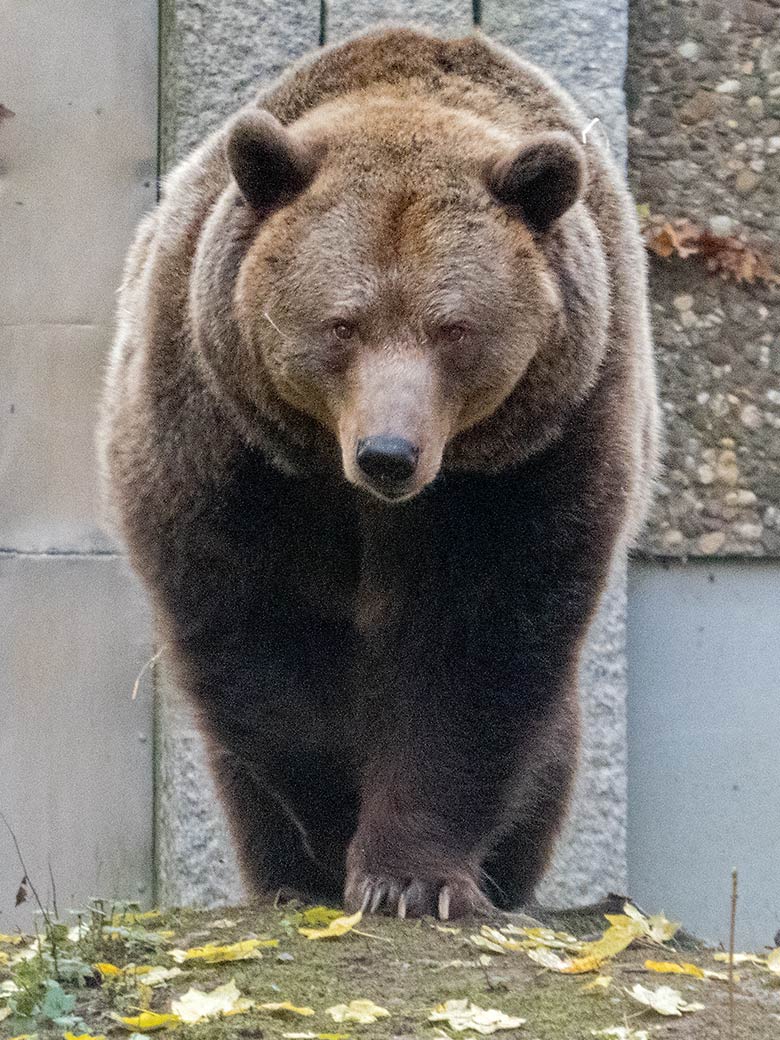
pixel 664 1000
pixel 107 970
pixel 614 940
pixel 196 1005
pixel 483 943
pixel 133 917
pixel 547 937
pixel 320 916
pixel 362 1011
pixel 83 1036
pixel 25 1036
pixel 773 962
pixel 671 968
pixel 286 1008
pixel 11 940
pixel 4 958
pixel 740 958
pixel 657 927
pixel 548 959
pixel 462 1015
pixel 147 1021
pixel 600 982
pixel 339 926
pixel 248 949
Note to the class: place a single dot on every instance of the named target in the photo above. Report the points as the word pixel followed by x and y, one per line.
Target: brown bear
pixel 380 412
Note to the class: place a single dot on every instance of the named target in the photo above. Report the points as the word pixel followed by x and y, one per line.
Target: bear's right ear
pixel 270 166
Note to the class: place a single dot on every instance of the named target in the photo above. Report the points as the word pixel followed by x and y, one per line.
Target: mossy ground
pixel 408 967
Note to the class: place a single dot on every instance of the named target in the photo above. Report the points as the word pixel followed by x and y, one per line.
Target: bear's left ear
pixel 542 179
pixel 269 164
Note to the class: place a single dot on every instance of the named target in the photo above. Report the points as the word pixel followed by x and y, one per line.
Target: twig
pixel 732 924
pixel 53 892
pixel 20 857
pixel 370 935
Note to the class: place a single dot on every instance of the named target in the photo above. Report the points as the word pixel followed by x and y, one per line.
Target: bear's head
pixel 400 287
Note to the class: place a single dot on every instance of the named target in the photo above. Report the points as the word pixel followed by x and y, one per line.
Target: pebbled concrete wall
pixel 704 94
pixel 213 57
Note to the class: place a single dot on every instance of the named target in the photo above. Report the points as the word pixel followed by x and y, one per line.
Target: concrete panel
pixel 448 17
pixel 215 56
pixel 49 389
pixel 79 156
pixel 582 43
pixel 704 730
pixel 76 751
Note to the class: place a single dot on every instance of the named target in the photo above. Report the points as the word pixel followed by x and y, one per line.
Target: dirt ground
pixel 407 967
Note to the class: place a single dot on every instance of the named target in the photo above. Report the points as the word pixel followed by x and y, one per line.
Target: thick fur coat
pixel 380 412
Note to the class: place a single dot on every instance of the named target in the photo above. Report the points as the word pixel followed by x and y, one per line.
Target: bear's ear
pixel 270 166
pixel 542 179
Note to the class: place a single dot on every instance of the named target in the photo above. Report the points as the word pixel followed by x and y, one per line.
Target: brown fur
pixel 417 244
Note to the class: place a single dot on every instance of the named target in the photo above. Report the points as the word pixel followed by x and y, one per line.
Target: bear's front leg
pixel 464 756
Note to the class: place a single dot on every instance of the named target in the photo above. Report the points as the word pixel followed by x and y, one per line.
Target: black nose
pixel 387 461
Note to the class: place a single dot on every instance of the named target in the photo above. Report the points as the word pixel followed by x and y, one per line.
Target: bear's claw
pixel 415 898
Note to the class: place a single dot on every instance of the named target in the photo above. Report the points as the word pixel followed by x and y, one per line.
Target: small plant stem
pixel 732 927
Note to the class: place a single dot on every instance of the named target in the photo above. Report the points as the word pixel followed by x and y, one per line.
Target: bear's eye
pixel 454 334
pixel 342 331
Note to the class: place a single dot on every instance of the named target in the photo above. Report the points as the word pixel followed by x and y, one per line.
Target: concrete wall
pixel 213 58
pixel 77 170
pixel 704 730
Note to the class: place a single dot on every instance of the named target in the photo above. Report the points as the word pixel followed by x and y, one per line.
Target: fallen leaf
pixel 11 940
pixel 316 1036
pixel 741 958
pixel 133 917
pixel 483 943
pixel 664 1000
pixel 107 970
pixel 5 1013
pixel 600 982
pixel 462 1015
pixel 337 927
pixel 197 1005
pixel 728 255
pixel 248 949
pixel 622 1033
pixel 362 1011
pixel 155 975
pixel 147 1021
pixel 672 968
pixel 224 922
pixel 547 937
pixel 548 959
pixel 83 1036
pixel 4 958
pixel 286 1008
pixel 320 916
pixel 773 962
